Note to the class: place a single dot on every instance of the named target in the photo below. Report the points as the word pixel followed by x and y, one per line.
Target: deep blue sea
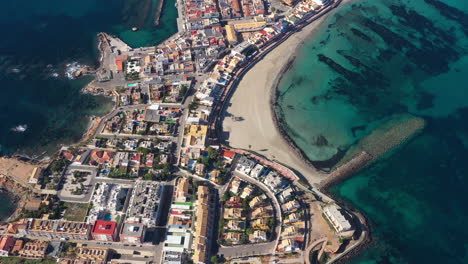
pixel 40 108
pixel 39 38
pixel 372 60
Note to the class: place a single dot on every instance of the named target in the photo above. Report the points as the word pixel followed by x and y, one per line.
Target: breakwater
pixel 158 13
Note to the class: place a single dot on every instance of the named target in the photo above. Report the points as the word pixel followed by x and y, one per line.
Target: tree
pixel 212 153
pixel 205 161
pixel 225 197
pixel 143 150
pixel 214 259
pixel 183 90
pixel 193 106
pixel 148 176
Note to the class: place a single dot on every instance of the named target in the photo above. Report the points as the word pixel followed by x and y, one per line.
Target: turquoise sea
pixel 373 60
pixel 39 107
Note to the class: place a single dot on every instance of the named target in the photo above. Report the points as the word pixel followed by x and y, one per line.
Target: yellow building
pixel 249 26
pixel 233 213
pixel 201 227
pixel 34 178
pixel 231 34
pixel 181 191
pixel 261 223
pixel 195 136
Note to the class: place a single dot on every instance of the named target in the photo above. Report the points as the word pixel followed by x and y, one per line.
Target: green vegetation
pixel 120 89
pixel 75 211
pixel 79 190
pixel 183 90
pixel 143 150
pixel 57 166
pixel 80 176
pixel 133 76
pixel 117 173
pixel 193 106
pixel 217 259
pixel 54 209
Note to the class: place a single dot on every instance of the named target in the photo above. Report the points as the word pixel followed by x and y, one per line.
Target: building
pixel 133 233
pixel 6 245
pixel 274 181
pixel 58 229
pixel 257 171
pixel 35 174
pixel 286 194
pixel 257 200
pixel 287 245
pixel 228 155
pixel 231 34
pixel 290 231
pixel 232 213
pixel 195 136
pixel 34 250
pixel 292 218
pixel 336 218
pixel 181 190
pixel 249 26
pixel 233 237
pixel 86 255
pixel 291 205
pixel 246 192
pixel 235 184
pixel 261 223
pixel 202 227
pixel 142 205
pixel 174 257
pixel 245 165
pixel 234 201
pixel 261 212
pixel 177 240
pixel 200 169
pixel 101 157
pixel 258 236
pixel 235 225
pixel 104 230
pixel 17 247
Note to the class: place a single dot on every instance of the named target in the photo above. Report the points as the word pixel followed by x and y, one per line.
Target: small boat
pixel 20 128
pixel 134 29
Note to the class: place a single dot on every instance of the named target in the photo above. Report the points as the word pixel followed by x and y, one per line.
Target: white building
pixel 336 218
pixel 245 165
pixel 257 171
pixel 274 181
pixel 145 198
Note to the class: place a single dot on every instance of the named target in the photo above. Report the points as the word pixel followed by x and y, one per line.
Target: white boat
pixel 20 128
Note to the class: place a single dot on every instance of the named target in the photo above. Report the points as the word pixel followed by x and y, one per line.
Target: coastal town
pixel 154 182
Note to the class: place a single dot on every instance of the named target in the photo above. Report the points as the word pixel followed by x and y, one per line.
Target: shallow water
pixel 38 39
pixel 7 207
pixel 391 57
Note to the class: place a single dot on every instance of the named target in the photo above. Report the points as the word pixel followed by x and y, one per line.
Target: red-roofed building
pixel 101 157
pixel 6 245
pixel 120 65
pixel 228 154
pixel 104 230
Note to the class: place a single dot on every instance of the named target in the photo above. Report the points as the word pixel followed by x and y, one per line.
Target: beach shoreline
pixel 249 100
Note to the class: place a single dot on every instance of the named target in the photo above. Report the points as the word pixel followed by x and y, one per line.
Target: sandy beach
pixel 252 101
